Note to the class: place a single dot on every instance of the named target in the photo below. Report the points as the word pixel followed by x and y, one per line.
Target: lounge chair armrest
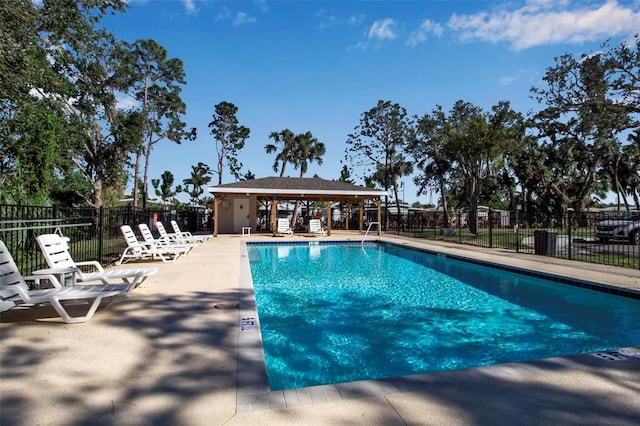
pixel 49 277
pixel 54 271
pixel 98 267
pixel 142 244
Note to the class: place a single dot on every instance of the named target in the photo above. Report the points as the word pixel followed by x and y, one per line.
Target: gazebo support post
pixel 216 208
pixel 378 203
pixel 274 215
pixel 329 208
pixel 347 209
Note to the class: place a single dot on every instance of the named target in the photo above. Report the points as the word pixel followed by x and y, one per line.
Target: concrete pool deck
pixel 168 354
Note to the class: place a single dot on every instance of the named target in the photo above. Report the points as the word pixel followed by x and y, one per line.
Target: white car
pixel 625 227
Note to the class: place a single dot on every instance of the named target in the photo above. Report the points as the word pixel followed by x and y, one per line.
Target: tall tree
pixel 284 144
pixel 527 167
pixel 163 186
pixel 429 149
pixel 378 145
pixel 582 121
pixel 230 138
pixel 624 60
pixel 200 175
pixel 460 153
pixel 92 62
pixel 157 86
pixel 480 142
pixel 307 149
pixel 31 122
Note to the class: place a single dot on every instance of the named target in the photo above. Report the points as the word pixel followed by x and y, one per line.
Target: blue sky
pixel 317 66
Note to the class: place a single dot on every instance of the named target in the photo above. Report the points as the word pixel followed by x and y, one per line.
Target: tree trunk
pixel 445 205
pixel 136 173
pixel 146 172
pixel 398 216
pixel 474 192
pixel 97 194
pixel 294 216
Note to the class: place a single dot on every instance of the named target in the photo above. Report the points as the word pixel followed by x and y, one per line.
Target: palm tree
pixel 284 141
pixel 308 149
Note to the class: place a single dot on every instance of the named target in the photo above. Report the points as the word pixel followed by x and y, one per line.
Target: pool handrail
pixel 367 231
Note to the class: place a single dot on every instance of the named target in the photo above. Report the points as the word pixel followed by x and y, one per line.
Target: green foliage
pixel 284 144
pixel 163 188
pixel 200 175
pixel 465 154
pixel 248 176
pixel 345 175
pixel 378 144
pixel 590 103
pixel 307 149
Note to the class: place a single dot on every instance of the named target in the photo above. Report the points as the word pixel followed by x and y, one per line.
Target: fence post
pixel 101 234
pixel 569 234
pixel 490 228
pixel 460 226
pixel 516 228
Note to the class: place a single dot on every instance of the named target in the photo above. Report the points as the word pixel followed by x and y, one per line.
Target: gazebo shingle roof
pixel 288 187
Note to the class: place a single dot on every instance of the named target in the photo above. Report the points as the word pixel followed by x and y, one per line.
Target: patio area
pixel 168 354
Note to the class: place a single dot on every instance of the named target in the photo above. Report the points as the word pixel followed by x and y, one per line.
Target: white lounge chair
pixel 55 251
pixel 137 250
pixel 148 238
pixel 174 237
pixel 284 228
pixel 14 290
pixel 187 234
pixel 315 227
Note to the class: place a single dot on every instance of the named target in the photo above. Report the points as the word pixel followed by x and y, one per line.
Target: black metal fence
pixel 567 235
pixel 94 233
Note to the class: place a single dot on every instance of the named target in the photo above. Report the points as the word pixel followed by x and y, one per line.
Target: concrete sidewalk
pixel 168 354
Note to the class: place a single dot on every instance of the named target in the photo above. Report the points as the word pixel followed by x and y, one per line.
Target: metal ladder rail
pixel 367 231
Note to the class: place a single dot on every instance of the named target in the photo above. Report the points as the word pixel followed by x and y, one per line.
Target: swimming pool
pixel 332 313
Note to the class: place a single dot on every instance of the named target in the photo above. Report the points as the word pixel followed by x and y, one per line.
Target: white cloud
pixel 541 22
pixel 262 5
pixel 189 6
pixel 328 19
pixel 420 36
pixel 360 46
pixel 508 80
pixel 355 19
pixel 223 14
pixel 243 18
pixel 383 29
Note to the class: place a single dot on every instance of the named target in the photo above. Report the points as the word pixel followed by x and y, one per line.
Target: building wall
pixel 228 223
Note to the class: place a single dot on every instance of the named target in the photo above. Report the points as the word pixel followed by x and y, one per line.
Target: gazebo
pixel 236 204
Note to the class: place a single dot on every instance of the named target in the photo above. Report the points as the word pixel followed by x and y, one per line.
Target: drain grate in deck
pixel 618 355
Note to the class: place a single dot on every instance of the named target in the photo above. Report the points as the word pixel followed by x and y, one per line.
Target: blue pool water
pixel 332 313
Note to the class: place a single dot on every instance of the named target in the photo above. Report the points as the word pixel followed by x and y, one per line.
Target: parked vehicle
pixel 625 227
